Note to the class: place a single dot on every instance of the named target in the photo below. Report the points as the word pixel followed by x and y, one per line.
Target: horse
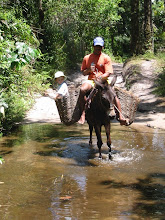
pixel 97 112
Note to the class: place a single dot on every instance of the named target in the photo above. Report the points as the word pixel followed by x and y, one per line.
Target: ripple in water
pixel 127 156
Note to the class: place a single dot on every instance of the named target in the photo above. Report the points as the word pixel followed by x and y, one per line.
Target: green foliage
pixel 16 55
pixel 160 82
pixel 159 24
pixel 1 160
pixel 20 89
pixel 71 26
pixel 18 79
pixel 159 57
pixel 15 29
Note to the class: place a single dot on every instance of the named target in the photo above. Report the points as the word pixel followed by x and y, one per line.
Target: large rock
pixel 139 77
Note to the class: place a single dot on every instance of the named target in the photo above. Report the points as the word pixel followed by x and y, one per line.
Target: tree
pixel 141 26
pixel 41 12
pixel 65 28
pixel 158 11
pixel 135 26
pixel 148 29
pixel 19 78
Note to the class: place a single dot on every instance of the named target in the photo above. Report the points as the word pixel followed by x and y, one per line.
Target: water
pixel 51 173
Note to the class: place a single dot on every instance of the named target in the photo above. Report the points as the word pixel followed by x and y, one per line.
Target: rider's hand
pixel 98 77
pixel 93 67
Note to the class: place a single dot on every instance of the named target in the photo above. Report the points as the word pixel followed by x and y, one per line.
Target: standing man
pixel 96 65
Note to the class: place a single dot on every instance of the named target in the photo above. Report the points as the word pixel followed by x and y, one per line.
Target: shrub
pixel 160 82
pixel 19 78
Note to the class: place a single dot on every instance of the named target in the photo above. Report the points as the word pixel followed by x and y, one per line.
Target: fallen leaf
pixel 65 197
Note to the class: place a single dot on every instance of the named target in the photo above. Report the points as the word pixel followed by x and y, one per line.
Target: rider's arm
pixel 85 68
pixel 104 76
pixel 86 71
pixel 108 68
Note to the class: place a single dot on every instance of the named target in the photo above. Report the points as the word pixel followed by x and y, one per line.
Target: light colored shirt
pixel 62 89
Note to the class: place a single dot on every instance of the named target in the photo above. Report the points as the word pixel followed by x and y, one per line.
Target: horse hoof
pixel 110 156
pixel 100 157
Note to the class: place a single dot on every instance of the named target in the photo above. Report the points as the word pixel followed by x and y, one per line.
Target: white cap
pixel 59 74
pixel 98 41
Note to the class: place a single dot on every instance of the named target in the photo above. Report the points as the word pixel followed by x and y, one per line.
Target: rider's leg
pixel 82 100
pixel 122 120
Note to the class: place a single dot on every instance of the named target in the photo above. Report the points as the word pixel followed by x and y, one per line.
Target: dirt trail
pixel 151 111
pixel 43 111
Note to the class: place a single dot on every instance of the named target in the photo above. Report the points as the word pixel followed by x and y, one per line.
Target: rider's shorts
pixel 92 83
pixel 109 80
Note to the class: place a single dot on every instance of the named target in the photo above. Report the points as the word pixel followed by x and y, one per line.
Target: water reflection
pixel 50 172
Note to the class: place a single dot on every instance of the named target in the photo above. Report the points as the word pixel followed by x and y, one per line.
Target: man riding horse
pixel 97 66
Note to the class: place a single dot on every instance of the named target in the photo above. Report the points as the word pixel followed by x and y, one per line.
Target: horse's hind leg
pixel 99 139
pixel 107 129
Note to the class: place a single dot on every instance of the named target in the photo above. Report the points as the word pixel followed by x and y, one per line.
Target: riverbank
pixel 151 110
pixel 45 111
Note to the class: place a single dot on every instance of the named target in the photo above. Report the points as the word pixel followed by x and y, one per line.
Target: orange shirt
pixel 102 63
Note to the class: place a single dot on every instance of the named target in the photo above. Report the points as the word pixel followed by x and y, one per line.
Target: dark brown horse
pixel 97 112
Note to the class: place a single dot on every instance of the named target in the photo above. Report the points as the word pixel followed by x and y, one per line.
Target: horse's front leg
pixel 99 139
pixel 107 129
pixel 91 130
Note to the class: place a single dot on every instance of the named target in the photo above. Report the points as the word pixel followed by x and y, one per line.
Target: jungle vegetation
pixel 42 36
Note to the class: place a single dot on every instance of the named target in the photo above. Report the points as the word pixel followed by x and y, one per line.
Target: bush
pixel 20 78
pixel 160 82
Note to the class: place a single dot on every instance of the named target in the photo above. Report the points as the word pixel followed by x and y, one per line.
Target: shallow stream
pixel 51 173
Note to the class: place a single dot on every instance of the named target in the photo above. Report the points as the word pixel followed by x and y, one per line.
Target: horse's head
pixel 106 90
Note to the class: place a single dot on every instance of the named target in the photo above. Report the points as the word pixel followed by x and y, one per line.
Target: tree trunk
pixel 134 26
pixel 148 33
pixel 41 12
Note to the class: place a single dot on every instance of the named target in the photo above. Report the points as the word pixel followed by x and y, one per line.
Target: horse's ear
pixel 98 84
pixel 113 80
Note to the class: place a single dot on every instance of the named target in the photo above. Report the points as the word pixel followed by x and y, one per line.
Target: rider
pixel 97 65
